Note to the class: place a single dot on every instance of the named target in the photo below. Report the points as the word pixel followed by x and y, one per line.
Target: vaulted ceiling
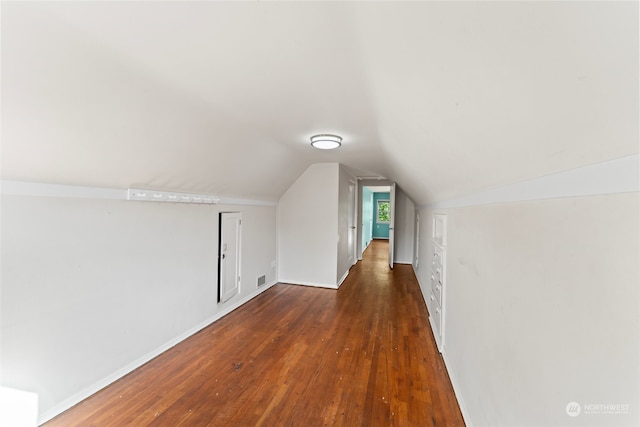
pixel 446 98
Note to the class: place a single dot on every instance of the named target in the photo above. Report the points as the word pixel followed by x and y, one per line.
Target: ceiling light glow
pixel 326 141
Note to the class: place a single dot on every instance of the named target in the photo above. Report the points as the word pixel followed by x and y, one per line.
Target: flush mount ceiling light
pixel 326 141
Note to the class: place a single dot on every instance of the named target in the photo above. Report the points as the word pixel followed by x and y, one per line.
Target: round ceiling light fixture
pixel 326 141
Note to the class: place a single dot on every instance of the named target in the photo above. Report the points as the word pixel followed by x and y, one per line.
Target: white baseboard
pixel 302 283
pixel 424 297
pixel 343 278
pixel 456 390
pixel 363 250
pixel 435 333
pixel 316 285
pixel 92 389
pixel 447 364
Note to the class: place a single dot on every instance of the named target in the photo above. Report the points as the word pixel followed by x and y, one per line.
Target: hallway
pixel 296 356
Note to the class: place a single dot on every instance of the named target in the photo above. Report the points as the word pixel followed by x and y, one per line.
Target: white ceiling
pixel 445 98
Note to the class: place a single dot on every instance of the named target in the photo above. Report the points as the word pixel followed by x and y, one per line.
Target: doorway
pixel 230 231
pixel 377 215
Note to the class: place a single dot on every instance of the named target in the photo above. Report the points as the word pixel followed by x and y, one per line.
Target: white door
pixel 417 259
pixel 351 234
pixel 229 254
pixel 392 214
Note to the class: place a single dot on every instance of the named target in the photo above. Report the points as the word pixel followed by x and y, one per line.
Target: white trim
pixel 39 189
pixel 620 175
pixel 434 330
pixel 344 277
pixel 99 385
pixel 247 202
pixel 21 188
pixel 415 273
pixel 452 376
pixel 143 195
pixel 315 285
pixel 366 247
pixel 456 390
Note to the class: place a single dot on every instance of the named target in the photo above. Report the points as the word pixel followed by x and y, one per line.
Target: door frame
pixel 392 220
pixel 221 216
pixel 368 182
pixel 353 223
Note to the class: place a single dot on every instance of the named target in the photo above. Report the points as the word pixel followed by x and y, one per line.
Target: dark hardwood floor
pixel 296 356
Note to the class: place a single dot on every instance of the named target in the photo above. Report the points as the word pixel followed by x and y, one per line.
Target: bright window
pixel 382 216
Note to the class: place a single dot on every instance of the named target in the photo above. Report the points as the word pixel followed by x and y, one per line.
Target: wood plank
pixel 362 355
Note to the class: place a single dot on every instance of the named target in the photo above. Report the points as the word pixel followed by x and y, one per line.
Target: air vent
pixel 261 280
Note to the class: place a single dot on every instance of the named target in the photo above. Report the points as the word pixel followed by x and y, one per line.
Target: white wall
pixel 308 228
pixel 541 308
pixel 93 288
pixel 404 226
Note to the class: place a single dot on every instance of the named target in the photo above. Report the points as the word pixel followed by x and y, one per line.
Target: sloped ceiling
pixel 445 98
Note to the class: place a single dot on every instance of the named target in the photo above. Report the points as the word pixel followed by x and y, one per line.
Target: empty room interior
pixel 180 178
